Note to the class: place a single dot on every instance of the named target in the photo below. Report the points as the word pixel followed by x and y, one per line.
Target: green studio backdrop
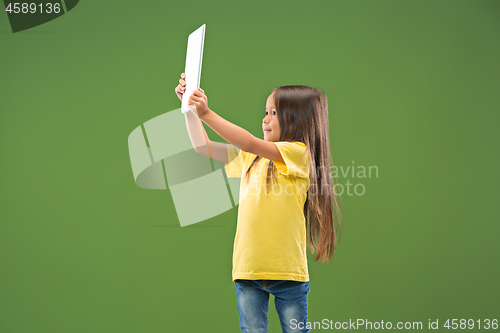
pixel 412 88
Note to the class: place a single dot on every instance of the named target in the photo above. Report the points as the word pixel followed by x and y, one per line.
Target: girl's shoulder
pixel 295 146
pixel 291 143
pixel 295 157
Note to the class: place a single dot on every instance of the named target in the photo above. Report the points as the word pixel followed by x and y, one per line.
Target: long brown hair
pixel 303 117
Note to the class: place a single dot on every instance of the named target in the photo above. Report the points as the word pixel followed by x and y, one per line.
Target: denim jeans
pixel 290 299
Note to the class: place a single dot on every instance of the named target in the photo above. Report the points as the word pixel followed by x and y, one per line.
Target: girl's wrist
pixel 206 115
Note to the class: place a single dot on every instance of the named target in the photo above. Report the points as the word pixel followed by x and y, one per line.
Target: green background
pixel 412 89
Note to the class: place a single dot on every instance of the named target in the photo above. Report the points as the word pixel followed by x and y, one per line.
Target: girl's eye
pixel 274 112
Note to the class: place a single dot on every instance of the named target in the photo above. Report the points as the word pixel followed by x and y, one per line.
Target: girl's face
pixel 270 123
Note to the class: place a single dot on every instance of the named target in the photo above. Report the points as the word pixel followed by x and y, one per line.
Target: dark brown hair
pixel 303 117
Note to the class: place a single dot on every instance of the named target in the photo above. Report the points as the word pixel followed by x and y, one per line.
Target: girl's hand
pixel 181 87
pixel 198 103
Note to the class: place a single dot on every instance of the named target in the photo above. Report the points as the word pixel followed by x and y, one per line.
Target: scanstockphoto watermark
pixel 328 324
pixel 431 324
pixel 358 173
pixel 349 180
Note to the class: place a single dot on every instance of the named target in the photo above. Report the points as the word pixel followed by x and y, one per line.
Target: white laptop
pixel 194 56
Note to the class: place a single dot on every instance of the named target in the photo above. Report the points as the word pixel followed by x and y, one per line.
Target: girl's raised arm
pixel 197 134
pixel 240 137
pixel 230 132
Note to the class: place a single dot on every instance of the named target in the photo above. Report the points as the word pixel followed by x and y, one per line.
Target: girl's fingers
pixel 193 98
pixel 199 92
pixel 197 99
pixel 198 96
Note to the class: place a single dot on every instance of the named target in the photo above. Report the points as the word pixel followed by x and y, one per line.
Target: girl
pixel 286 188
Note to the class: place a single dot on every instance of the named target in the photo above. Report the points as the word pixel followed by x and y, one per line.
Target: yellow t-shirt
pixel 270 240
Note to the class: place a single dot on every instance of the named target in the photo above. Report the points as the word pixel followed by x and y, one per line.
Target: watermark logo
pixel 162 157
pixel 345 180
pixel 357 173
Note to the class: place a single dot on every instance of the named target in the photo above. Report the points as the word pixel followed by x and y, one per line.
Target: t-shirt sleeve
pixel 296 159
pixel 236 159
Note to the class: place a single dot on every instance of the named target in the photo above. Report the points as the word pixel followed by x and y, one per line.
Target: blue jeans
pixel 290 299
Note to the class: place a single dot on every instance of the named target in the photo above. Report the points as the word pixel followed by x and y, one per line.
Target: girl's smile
pixel 270 123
